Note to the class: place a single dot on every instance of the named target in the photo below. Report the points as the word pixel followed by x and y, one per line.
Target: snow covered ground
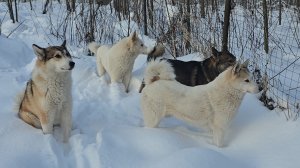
pixel 108 127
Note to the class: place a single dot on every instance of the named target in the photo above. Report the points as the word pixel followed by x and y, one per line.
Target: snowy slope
pixel 108 127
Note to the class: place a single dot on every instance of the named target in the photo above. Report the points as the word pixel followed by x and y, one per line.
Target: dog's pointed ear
pixel 246 63
pixel 215 53
pixel 237 67
pixel 134 36
pixel 225 50
pixel 64 44
pixel 39 51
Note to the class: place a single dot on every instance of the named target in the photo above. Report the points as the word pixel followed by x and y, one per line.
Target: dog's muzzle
pixel 71 64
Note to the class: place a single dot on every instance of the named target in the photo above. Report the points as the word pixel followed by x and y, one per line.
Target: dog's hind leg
pixel 152 112
pixel 47 121
pixel 30 118
pixel 218 136
pixel 100 68
pixel 151 119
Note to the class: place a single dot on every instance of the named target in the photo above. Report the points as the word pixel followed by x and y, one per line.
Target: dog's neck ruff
pixel 204 72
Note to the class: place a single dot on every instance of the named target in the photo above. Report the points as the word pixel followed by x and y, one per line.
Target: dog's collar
pixel 204 72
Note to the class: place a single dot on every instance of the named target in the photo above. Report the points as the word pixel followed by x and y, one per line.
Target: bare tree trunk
pixel 202 8
pixel 16 11
pixel 117 6
pixel 127 5
pixel 151 13
pixel 226 25
pixel 92 17
pixel 73 5
pixel 216 4
pixel 145 17
pixel 170 35
pixel 188 18
pixel 173 2
pixel 11 11
pixel 245 4
pixel 298 8
pixel 207 6
pixel 213 7
pixel 46 6
pixel 188 25
pixel 68 5
pixel 266 29
pixel 136 7
pixel 30 5
pixel 280 12
pixel 122 7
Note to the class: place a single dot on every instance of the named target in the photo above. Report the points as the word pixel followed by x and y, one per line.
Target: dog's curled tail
pixel 93 47
pixel 159 70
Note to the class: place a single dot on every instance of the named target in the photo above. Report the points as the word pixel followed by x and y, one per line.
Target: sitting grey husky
pixel 211 106
pixel 47 98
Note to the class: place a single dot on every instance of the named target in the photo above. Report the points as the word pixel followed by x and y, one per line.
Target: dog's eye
pixel 247 80
pixel 57 56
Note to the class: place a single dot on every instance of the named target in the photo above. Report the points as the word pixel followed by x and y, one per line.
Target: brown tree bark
pixel 16 11
pixel 266 29
pixel 10 10
pixel 202 8
pixel 73 5
pixel 188 24
pixel 30 5
pixel 68 5
pixel 45 7
pixel 226 25
pixel 145 17
pixel 280 12
pixel 298 8
pixel 151 13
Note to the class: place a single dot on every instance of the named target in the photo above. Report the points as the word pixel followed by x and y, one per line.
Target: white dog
pixel 211 106
pixel 47 99
pixel 118 60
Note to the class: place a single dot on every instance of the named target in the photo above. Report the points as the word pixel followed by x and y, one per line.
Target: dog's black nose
pixel 72 64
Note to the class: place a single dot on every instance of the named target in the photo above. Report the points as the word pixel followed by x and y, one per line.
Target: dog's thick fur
pixel 193 73
pixel 118 60
pixel 157 51
pixel 211 106
pixel 47 99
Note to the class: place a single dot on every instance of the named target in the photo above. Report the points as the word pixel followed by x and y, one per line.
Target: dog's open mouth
pixel 64 69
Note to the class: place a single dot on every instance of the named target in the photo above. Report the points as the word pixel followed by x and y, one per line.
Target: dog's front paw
pixel 65 139
pixel 216 142
pixel 220 145
pixel 47 129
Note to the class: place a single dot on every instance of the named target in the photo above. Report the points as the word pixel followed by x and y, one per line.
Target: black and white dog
pixel 193 73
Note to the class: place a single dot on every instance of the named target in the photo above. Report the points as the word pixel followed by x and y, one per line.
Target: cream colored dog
pixel 211 106
pixel 118 60
pixel 47 99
